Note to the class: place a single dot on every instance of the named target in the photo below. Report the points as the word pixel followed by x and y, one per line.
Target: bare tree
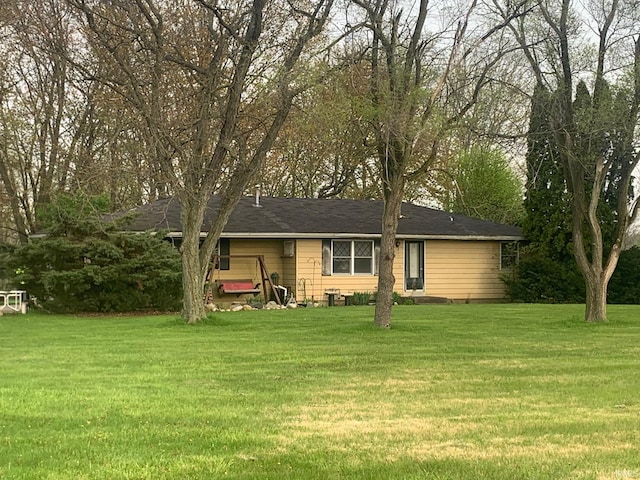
pixel 108 153
pixel 34 107
pixel 52 123
pixel 213 82
pixel 567 45
pixel 422 84
pixel 322 150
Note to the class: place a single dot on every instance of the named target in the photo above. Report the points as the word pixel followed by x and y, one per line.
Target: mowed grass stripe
pixel 451 391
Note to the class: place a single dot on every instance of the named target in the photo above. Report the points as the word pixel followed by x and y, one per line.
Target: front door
pixel 413 265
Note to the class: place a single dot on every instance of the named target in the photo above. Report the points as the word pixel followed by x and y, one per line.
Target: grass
pixel 450 392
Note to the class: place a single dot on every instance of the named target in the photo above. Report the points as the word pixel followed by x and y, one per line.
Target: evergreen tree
pixel 548 271
pixel 547 222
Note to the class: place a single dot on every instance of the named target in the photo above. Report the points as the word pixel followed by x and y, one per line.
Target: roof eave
pixel 289 235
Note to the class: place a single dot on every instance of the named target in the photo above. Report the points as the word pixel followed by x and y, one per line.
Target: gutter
pixel 280 235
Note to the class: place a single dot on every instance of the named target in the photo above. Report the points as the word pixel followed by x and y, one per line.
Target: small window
pixel 352 257
pixel 363 257
pixel 508 255
pixel 341 256
pixel 223 249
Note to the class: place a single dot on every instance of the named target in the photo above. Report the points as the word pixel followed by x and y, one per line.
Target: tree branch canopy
pixel 213 95
pixel 592 127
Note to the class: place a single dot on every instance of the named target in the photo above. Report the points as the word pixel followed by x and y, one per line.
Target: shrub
pixel 624 286
pixel 537 279
pixel 82 265
pixel 121 272
pixel 361 298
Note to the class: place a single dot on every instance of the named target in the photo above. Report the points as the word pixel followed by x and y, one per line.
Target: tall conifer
pixel 547 222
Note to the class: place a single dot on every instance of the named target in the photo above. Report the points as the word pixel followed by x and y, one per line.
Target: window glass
pixel 415 259
pixel 352 257
pixel 223 248
pixel 508 254
pixel 341 256
pixel 341 265
pixel 363 257
pixel 362 249
pixel 341 249
pixel 362 265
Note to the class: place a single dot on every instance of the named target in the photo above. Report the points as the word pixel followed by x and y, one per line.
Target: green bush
pixel 400 300
pixel 119 273
pixel 365 298
pixel 624 286
pixel 361 298
pixel 537 279
pixel 82 265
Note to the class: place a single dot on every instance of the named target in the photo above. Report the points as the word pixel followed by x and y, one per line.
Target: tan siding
pixel 288 277
pixel 463 270
pixel 309 269
pixel 309 272
pixel 458 270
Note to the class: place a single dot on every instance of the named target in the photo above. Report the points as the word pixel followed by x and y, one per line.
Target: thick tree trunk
pixel 595 271
pixel 192 279
pixel 386 279
pixel 597 285
pixel 193 287
pixel 596 301
pixel 596 278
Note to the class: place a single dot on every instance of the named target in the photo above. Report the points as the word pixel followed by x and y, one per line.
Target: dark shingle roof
pixel 297 217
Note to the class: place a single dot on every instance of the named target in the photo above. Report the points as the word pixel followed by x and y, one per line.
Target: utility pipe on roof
pixel 257 204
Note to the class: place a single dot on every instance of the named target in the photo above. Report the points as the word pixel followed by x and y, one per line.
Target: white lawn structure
pixel 13 301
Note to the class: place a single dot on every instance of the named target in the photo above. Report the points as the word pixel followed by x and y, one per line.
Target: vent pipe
pixel 257 204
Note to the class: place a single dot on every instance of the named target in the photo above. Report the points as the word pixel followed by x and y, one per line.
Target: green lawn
pixel 450 392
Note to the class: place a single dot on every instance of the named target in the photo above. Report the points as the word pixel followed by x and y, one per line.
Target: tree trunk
pixel 596 301
pixel 386 279
pixel 595 277
pixel 20 224
pixel 597 286
pixel 192 280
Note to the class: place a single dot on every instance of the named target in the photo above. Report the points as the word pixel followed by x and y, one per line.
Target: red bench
pixel 237 287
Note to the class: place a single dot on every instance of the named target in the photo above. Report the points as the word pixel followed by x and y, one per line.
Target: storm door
pixel 413 265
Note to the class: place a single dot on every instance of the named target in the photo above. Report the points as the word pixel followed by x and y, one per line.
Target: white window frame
pixel 352 258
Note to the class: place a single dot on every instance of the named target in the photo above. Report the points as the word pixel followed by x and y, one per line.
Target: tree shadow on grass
pixel 209 321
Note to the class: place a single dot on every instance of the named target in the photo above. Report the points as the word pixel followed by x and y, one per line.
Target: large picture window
pixel 352 257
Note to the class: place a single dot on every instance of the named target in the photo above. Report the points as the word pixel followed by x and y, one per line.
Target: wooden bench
pixel 237 287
